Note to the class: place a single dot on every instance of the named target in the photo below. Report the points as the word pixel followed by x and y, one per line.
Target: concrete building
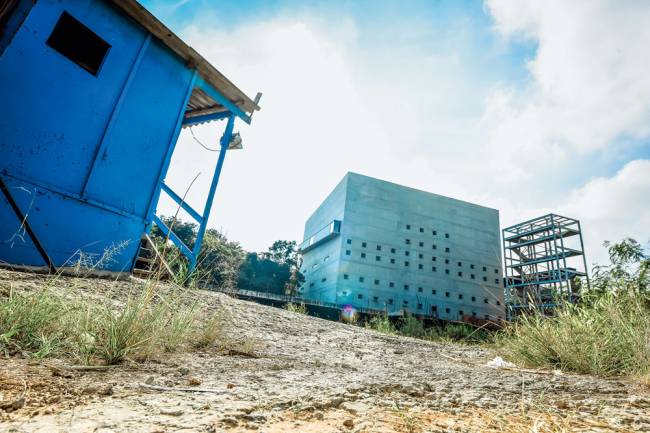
pixel 380 246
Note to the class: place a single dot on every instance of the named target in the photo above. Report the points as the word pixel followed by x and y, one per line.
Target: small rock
pixel 149 380
pixel 171 412
pixel 348 423
pixel 355 408
pixel 232 422
pixel 194 381
pixel 184 371
pixel 398 352
pixel 90 389
pixel 230 386
pixel 107 390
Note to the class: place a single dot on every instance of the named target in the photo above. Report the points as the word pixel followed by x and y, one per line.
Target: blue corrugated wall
pixel 82 154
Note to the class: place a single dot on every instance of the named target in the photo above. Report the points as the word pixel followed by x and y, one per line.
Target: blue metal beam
pixel 194 214
pixel 170 150
pixel 101 148
pixel 172 236
pixel 225 141
pixel 218 97
pixel 189 121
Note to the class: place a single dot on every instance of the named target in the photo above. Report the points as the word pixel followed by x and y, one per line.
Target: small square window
pixel 433 291
pixel 421 230
pixel 434 246
pixel 348 252
pixel 375 298
pixel 391 284
pixel 78 43
pixel 447 249
pixel 447 235
pixel 498 302
pixel 461 313
pixel 434 269
pixel 484 278
pixel 408 226
pixel 311 284
pixel 460 263
pixel 460 274
pixel 471 266
pixel 460 296
pixel 446 294
pixel 420 256
pixel 496 281
pixel 435 233
pixel 376 282
pixel 377 258
pixel 359 296
pixel 361 279
pixel 345 276
pixel 378 247
pixel 447 310
pixel 420 266
pixel 392 261
pixel 434 308
pixel 472 276
pixel 473 298
pixel 363 255
pixel 407 253
pixel 349 241
pixel 390 301
pixel 420 289
pixel 405 302
pixel 419 306
pixel 364 244
pixel 406 286
pixel 322 280
pixel 485 301
pixel 433 258
pixel 446 261
pixel 407 241
pixel 392 250
pixel 473 313
pixel 484 269
pixel 421 244
pixel 447 271
pixel 406 263
pixel 496 271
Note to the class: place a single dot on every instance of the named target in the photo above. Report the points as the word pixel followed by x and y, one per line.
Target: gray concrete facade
pixel 381 246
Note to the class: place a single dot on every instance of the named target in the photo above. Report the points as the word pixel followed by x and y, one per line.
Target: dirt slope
pixel 306 375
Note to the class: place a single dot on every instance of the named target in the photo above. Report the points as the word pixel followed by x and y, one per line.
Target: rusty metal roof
pixel 200 103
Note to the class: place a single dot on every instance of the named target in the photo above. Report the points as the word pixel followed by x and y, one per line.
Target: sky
pixel 528 107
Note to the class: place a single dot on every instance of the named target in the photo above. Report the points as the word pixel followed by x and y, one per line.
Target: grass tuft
pixel 296 308
pixel 608 335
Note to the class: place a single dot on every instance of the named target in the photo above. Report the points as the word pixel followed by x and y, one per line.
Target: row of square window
pixel 433 232
pixel 420 256
pixel 420 289
pixel 434 308
pixel 392 250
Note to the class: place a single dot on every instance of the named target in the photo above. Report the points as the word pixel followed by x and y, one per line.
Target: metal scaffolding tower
pixel 544 262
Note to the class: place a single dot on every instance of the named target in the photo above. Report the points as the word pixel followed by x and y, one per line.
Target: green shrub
pixel 607 335
pixel 296 308
pixel 381 323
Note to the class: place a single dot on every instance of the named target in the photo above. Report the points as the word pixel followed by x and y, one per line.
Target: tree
pixel 629 269
pixel 274 271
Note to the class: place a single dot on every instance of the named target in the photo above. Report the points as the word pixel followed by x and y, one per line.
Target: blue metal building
pixel 93 96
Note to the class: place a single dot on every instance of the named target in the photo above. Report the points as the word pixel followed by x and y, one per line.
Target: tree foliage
pixel 629 269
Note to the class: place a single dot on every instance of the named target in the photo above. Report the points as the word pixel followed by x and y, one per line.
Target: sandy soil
pixel 307 375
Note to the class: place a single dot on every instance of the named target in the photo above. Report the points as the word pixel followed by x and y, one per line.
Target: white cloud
pixel 426 117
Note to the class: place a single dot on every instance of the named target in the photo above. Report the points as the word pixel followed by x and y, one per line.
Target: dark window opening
pixel 435 247
pixel 378 247
pixel 348 252
pixel 359 296
pixel 434 269
pixel 433 291
pixel 390 301
pixel 447 271
pixel 363 255
pixel 392 250
pixel 473 298
pixel 375 298
pixel 345 276
pixel 420 256
pixel 420 289
pixel 361 279
pixel 78 43
pixel 421 244
pixel 435 232
pixel 446 294
pixel 447 310
pixel 378 258
pixel 447 235
pixel 420 266
pixel 376 282
pixel 364 244
pixel 408 227
pixel 447 249
pixel 406 263
pixel 407 241
pixel 421 230
pixel 391 284
pixel 392 261
pixel 349 241
pixel 460 296
pixel 406 286
pixel 460 314
pixel 419 306
pixel 407 253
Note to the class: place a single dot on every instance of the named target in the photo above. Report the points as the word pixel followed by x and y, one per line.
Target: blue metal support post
pixel 225 142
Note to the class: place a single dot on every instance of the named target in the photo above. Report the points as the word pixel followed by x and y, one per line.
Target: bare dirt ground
pixel 307 375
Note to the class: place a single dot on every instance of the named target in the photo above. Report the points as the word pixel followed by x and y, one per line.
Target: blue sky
pixel 524 106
